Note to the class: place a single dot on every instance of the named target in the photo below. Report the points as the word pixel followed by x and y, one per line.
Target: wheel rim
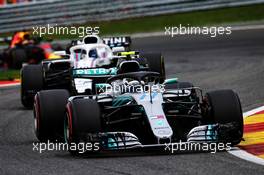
pixel 68 125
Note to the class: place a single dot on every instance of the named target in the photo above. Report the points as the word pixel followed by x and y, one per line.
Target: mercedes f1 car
pixel 135 110
pixel 90 61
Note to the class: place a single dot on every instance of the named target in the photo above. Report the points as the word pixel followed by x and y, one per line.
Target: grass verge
pixel 9 74
pixel 198 18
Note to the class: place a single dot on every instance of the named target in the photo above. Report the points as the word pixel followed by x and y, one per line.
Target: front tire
pixel 83 117
pixel 225 108
pixel 31 83
pixel 49 111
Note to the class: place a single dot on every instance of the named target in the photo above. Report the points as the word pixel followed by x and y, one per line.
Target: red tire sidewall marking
pixel 69 111
pixel 37 111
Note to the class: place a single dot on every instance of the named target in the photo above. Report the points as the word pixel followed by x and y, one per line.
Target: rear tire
pixel 49 112
pixel 155 62
pixel 31 83
pixel 225 108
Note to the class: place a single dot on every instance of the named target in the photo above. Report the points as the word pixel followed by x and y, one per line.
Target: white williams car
pixel 85 64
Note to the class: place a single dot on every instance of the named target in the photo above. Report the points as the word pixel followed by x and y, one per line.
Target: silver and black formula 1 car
pixel 88 63
pixel 135 110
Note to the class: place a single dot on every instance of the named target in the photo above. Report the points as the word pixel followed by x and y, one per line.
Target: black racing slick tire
pixel 225 108
pixel 83 117
pixel 156 63
pixel 31 83
pixel 18 56
pixel 49 112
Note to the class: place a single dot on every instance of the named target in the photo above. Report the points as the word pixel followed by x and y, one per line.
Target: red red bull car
pixel 25 49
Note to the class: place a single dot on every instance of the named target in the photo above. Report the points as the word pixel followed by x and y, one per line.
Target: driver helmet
pixel 101 56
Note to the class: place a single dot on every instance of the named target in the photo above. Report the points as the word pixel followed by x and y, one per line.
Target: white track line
pixel 250 27
pixel 253 111
pixel 246 156
pixel 9 85
pixel 243 154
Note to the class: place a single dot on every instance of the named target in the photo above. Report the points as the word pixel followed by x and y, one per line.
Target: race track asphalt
pixel 230 62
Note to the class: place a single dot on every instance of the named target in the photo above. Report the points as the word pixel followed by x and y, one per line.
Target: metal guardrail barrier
pixel 66 12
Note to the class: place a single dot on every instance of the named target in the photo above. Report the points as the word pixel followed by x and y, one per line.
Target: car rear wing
pixel 124 41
